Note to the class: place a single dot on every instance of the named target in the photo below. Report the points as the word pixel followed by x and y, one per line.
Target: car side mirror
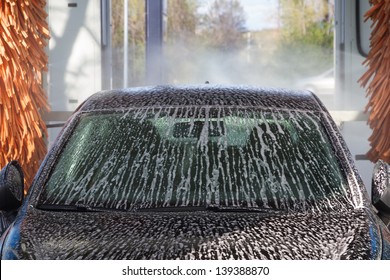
pixel 11 187
pixel 381 187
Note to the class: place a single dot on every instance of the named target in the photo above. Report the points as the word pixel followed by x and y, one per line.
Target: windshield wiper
pixel 218 208
pixel 74 207
pixel 170 209
pixel 212 208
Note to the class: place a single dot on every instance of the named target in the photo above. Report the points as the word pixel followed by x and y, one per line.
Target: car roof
pixel 201 95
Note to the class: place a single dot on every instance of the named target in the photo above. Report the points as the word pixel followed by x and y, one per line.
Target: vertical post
pixel 105 14
pixel 339 47
pixel 154 40
pixel 125 42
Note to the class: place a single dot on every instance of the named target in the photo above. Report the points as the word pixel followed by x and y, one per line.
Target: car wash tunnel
pixel 194 129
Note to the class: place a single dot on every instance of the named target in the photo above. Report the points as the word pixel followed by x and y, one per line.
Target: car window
pixel 191 157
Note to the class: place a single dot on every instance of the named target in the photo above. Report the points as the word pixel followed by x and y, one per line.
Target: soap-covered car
pixel 197 172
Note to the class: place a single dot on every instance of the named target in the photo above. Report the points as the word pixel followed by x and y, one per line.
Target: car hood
pixel 190 235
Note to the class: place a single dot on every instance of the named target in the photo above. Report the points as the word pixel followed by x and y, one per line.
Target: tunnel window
pixel 128 56
pixel 263 43
pixel 363 29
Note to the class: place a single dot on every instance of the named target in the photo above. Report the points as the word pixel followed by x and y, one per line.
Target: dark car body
pixel 198 172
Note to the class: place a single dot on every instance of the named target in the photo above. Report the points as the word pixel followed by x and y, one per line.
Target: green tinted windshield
pixel 192 157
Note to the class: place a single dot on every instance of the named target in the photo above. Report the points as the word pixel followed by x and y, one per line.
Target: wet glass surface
pixel 171 157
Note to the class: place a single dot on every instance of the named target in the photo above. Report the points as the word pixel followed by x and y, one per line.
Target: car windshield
pixel 175 157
